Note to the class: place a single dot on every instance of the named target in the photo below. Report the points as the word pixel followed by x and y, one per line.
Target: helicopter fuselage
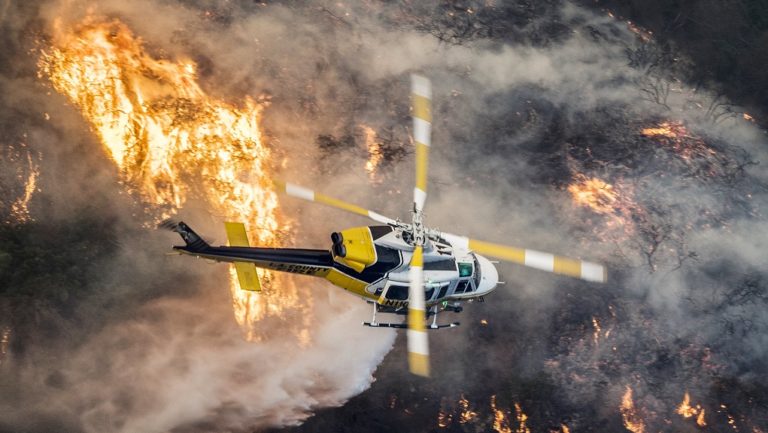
pixel 372 262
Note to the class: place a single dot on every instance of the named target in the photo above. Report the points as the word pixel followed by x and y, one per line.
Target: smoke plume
pixel 529 100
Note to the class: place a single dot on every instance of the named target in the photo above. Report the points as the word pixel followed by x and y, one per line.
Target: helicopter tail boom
pixel 293 260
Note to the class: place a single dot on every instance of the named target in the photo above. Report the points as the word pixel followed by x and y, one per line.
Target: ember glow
pixel 444 418
pixel 522 420
pixel 5 341
pixel 500 419
pixel 374 150
pixel 632 420
pixel 170 140
pixel 679 139
pixel 643 34
pixel 465 413
pixel 596 334
pixel 19 208
pixel 614 203
pixel 687 411
pixel 594 193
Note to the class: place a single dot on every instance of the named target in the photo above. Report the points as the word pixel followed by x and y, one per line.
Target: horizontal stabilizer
pixel 247 275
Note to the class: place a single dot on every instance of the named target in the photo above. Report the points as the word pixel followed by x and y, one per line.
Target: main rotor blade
pixel 421 98
pixel 307 194
pixel 418 344
pixel 588 271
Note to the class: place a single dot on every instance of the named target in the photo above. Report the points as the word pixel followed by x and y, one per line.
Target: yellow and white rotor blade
pixel 307 194
pixel 421 99
pixel 588 271
pixel 418 344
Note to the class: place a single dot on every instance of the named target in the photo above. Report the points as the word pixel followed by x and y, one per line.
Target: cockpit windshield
pixel 477 273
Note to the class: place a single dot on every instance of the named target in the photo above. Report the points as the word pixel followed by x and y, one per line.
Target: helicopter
pixel 401 268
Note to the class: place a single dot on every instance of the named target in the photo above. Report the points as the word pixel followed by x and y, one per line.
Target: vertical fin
pixel 247 275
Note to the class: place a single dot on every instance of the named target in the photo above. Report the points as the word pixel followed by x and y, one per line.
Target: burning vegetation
pixel 20 182
pixel 633 421
pixel 638 180
pixel 595 194
pixel 687 411
pixel 170 141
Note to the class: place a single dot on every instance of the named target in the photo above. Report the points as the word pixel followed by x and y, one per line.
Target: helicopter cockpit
pixel 467 283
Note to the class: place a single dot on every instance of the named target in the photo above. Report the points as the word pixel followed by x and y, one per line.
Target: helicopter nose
pixel 489 276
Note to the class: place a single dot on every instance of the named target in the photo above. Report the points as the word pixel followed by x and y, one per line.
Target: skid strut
pixel 405 326
pixel 374 324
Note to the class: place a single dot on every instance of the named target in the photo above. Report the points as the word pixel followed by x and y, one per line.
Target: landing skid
pixel 432 312
pixel 405 326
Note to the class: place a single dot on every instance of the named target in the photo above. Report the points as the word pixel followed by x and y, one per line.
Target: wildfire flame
pixel 170 140
pixel 632 420
pixel 675 135
pixel 593 193
pixel 522 420
pixel 614 204
pixel 443 419
pixel 465 413
pixel 500 421
pixel 373 147
pixel 19 208
pixel 687 411
pixel 596 334
pixel 643 34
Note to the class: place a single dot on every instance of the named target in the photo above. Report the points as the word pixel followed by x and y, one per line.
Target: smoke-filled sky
pixel 526 99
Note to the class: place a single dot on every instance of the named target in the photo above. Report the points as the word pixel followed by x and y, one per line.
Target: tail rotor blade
pixel 421 98
pixel 418 344
pixel 307 194
pixel 585 270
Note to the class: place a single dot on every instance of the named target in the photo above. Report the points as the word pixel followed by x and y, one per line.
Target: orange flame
pixel 643 34
pixel 443 419
pixel 593 193
pixel 614 203
pixel 169 139
pixel 664 129
pixel 686 410
pixel 465 413
pixel 675 135
pixel 632 420
pixel 596 334
pixel 700 421
pixel 373 147
pixel 522 420
pixel 500 421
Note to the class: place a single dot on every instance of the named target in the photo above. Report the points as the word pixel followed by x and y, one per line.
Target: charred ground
pixel 680 226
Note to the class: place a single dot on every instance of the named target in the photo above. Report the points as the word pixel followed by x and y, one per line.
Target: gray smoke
pixel 526 97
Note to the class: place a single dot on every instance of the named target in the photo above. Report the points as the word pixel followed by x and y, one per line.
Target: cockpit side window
pixel 461 287
pixel 428 295
pixel 465 269
pixel 397 292
pixel 443 291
